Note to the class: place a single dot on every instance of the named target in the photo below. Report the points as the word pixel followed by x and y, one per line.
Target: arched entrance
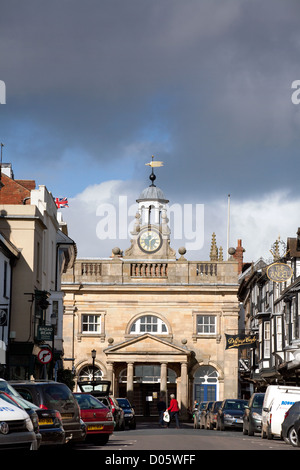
pixel 206 384
pixel 146 387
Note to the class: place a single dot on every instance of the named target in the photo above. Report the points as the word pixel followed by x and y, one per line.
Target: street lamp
pixel 93 357
pixel 53 319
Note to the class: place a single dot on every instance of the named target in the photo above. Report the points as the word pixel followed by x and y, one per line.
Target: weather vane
pixel 154 164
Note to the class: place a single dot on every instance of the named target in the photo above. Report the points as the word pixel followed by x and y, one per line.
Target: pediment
pixel 147 345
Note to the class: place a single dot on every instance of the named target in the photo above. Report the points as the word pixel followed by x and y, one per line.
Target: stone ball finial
pixel 182 250
pixel 231 250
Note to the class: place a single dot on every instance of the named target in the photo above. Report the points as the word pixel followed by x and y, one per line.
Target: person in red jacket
pixel 174 411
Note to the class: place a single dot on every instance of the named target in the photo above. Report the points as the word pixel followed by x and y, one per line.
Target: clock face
pixel 150 241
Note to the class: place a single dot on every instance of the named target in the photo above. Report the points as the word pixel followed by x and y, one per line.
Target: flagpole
pixel 228 225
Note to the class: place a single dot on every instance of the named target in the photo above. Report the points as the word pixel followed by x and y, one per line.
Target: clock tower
pixel 151 233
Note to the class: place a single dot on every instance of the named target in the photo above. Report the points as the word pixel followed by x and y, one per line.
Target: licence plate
pixel 239 421
pixel 95 427
pixel 66 416
pixel 42 422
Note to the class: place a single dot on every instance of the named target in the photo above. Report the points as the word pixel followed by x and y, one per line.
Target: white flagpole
pixel 228 226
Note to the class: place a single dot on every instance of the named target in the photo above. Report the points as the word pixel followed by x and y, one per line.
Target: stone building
pixel 37 249
pixel 156 321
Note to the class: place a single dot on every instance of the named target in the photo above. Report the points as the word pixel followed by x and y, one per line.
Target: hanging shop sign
pixel 279 272
pixel 45 333
pixel 240 341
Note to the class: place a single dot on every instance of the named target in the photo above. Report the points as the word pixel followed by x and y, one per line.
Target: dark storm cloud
pixel 204 85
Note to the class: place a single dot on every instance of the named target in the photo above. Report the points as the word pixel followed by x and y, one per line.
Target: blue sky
pixel 95 88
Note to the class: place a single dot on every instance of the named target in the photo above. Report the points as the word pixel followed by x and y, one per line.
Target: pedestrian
pixel 174 411
pixel 161 408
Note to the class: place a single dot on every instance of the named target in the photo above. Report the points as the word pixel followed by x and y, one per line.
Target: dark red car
pixel 97 418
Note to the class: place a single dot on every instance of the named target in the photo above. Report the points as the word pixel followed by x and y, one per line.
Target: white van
pixel 278 399
pixel 16 428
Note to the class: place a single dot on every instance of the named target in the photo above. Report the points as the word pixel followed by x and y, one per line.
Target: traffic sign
pixel 45 356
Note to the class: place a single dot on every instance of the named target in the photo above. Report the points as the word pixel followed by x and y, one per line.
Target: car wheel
pixel 293 437
pixel 269 434
pixel 101 439
pixel 250 430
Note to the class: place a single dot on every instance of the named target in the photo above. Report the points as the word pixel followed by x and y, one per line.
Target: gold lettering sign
pixel 240 341
pixel 279 272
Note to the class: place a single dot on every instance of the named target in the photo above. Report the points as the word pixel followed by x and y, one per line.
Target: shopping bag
pixel 166 417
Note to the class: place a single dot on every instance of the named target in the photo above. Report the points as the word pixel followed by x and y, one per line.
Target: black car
pixel 100 389
pixel 211 420
pixel 230 414
pixel 253 414
pixel 50 395
pixel 290 425
pixel 129 413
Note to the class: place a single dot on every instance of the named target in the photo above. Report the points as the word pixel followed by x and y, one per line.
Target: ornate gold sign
pixel 279 272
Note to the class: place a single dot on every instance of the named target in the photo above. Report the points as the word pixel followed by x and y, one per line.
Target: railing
pixel 149 269
pixel 91 269
pixel 206 269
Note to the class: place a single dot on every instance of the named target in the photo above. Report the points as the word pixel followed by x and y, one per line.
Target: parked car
pixel 30 410
pixel 97 417
pixel 278 399
pixel 48 422
pixel 230 414
pixel 211 421
pixel 50 395
pixel 197 411
pixel 129 413
pixel 203 414
pixel 100 389
pixel 16 428
pixel 288 429
pixel 253 414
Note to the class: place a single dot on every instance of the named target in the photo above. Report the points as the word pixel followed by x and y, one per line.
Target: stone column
pixel 129 386
pixel 163 379
pixel 184 389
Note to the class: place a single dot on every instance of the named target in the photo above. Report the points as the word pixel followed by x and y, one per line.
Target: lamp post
pixel 93 357
pixel 53 319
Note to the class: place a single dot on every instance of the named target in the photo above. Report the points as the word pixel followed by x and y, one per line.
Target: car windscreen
pixel 258 401
pixel 124 403
pixel 235 405
pixel 89 387
pixel 7 388
pixel 58 395
pixel 88 402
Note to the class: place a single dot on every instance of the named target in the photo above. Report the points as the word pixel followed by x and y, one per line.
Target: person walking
pixel 161 408
pixel 174 411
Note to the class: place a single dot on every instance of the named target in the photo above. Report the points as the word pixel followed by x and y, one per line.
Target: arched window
pixel 206 384
pixel 149 324
pixel 87 373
